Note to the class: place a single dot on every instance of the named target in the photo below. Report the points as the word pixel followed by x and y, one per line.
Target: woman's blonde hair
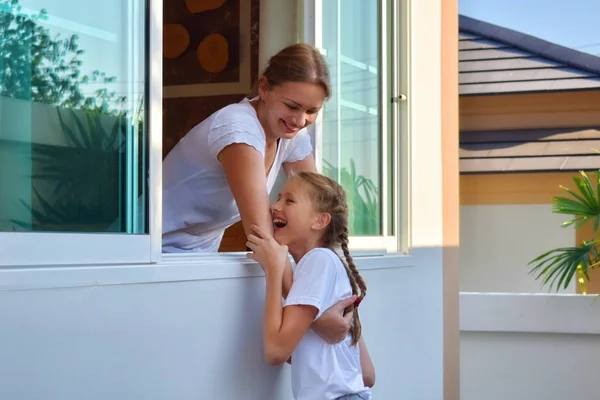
pixel 296 63
pixel 329 197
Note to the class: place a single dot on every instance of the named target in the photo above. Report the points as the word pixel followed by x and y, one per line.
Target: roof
pixel 531 150
pixel 497 60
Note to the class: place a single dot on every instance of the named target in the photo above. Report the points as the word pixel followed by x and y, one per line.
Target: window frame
pixel 419 163
pixel 49 248
pixel 82 249
pixel 393 88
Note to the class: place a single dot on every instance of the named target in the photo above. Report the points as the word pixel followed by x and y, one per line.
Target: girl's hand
pixel 266 251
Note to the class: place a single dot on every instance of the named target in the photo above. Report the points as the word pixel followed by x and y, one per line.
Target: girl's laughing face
pixel 293 214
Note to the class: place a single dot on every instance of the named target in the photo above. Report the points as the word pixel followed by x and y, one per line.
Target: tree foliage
pixel 44 68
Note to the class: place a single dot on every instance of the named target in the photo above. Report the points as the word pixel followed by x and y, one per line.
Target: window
pixel 73 132
pixel 356 138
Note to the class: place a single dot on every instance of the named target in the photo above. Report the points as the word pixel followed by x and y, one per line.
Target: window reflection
pixel 72 134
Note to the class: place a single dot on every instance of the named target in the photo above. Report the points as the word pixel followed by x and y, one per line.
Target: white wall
pixel 498 241
pixel 279 27
pixel 524 347
pixel 193 331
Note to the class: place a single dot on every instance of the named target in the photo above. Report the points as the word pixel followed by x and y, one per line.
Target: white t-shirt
pixel 322 371
pixel 197 202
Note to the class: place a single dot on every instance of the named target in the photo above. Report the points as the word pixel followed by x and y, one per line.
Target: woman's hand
pixel 271 255
pixel 332 326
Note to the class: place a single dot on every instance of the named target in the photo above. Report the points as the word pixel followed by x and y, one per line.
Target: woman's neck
pixel 269 136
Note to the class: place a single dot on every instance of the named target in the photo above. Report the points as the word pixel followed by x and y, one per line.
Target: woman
pixel 224 168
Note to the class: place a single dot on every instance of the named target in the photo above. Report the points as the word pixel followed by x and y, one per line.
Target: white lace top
pixel 197 202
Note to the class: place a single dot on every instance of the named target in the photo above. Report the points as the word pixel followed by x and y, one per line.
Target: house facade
pixel 90 306
pixel 529 122
pixel 529 116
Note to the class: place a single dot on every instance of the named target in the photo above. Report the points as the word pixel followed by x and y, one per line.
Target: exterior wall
pixel 506 221
pixel 499 241
pixel 188 331
pixel 523 347
pixel 189 327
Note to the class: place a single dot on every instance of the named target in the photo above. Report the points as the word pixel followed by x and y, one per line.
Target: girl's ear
pixel 322 221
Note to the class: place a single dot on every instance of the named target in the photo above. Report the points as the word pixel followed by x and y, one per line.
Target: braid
pixel 357 283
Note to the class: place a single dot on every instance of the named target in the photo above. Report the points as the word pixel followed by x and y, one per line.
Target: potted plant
pixel 558 267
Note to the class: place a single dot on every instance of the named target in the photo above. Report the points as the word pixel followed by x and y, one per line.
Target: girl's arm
pixel 283 327
pixel 366 365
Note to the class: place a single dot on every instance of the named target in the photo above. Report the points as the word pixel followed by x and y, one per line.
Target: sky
pixel 571 23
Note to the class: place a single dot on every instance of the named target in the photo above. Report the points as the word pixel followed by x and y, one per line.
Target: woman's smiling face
pixel 289 107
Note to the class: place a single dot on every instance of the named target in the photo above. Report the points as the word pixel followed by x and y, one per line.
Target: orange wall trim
pixel 525 188
pixel 530 111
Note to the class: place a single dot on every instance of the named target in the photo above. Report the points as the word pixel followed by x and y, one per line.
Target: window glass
pixel 352 133
pixel 73 153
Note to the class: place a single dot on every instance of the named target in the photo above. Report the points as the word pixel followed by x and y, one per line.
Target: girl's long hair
pixel 329 197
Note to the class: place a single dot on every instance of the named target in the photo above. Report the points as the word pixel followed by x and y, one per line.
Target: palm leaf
pixel 585 205
pixel 559 266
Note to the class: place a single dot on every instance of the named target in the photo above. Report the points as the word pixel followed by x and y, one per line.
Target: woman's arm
pixel 306 165
pixel 246 175
pixel 366 364
pixel 333 325
pixel 245 171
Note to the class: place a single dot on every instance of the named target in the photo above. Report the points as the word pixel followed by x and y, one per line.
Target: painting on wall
pixel 210 60
pixel 207 47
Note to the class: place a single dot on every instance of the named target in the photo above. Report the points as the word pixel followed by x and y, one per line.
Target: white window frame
pixel 397 61
pixel 415 163
pixel 45 248
pixel 419 168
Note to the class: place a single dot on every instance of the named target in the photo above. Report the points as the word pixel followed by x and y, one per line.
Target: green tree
pixel 36 66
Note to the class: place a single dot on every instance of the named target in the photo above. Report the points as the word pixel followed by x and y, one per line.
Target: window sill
pixel 172 268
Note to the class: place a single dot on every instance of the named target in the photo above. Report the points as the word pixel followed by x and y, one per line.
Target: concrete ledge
pixel 529 313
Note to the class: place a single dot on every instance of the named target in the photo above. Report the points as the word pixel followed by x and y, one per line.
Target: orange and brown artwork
pixel 201 41
pixel 202 45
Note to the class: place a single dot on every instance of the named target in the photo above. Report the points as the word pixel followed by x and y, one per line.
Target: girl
pixel 310 221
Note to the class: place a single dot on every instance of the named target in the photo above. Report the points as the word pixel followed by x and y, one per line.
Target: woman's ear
pixel 263 87
pixel 322 221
